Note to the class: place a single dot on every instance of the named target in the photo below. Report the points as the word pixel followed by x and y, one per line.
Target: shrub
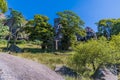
pixel 90 55
pixel 2 41
pixel 36 42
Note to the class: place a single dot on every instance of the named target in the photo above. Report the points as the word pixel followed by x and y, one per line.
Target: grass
pixel 33 52
pixel 50 59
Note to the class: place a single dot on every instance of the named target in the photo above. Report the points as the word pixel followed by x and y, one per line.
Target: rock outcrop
pixel 106 73
pixel 17 68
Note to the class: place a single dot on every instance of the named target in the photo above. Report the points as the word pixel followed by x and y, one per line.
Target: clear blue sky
pixel 90 11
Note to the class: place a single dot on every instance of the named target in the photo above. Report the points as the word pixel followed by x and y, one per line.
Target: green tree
pixel 91 54
pixel 105 24
pixel 116 27
pixel 4 31
pixel 3 6
pixel 105 27
pixel 40 29
pixel 71 24
pixel 115 43
pixel 15 21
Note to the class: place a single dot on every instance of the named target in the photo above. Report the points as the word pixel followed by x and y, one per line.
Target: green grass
pixel 49 59
pixel 34 52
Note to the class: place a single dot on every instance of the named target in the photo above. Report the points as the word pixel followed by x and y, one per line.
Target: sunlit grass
pixel 51 59
pixel 48 59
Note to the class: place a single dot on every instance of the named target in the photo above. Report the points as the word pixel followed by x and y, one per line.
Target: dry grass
pixel 48 59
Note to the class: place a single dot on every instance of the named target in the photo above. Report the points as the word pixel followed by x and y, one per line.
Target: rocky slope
pixel 15 68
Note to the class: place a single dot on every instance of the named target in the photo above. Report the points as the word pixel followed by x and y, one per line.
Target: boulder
pixel 106 73
pixel 14 48
pixel 17 68
pixel 65 71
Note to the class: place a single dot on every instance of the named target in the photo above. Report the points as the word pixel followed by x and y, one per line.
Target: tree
pixel 15 21
pixel 92 53
pixel 3 6
pixel 115 42
pixel 71 24
pixel 96 53
pixel 108 27
pixel 40 29
pixel 116 27
pixel 105 27
pixel 4 31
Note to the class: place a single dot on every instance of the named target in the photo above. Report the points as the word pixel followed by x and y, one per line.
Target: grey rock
pixel 106 73
pixel 16 68
pixel 66 71
pixel 14 48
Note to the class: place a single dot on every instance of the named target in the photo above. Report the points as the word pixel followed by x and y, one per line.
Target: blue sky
pixel 90 11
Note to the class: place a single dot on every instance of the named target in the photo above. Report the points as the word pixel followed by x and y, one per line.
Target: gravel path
pixel 16 68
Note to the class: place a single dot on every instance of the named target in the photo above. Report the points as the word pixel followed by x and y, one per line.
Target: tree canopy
pixel 111 26
pixel 40 29
pixel 15 22
pixel 4 31
pixel 3 6
pixel 71 24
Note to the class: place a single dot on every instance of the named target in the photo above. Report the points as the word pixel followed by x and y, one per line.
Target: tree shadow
pixel 37 50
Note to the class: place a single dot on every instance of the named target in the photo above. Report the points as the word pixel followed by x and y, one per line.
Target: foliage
pixel 37 42
pixel 3 6
pixel 16 18
pixel 15 21
pixel 3 42
pixel 116 27
pixel 4 31
pixel 113 25
pixel 115 48
pixel 71 24
pixel 94 53
pixel 40 29
pixel 70 78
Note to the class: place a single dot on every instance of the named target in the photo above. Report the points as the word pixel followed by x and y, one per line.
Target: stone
pixel 106 73
pixel 65 71
pixel 14 48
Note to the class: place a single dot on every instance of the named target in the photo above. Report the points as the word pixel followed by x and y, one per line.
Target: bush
pixel 18 41
pixel 21 42
pixel 3 41
pixel 90 55
pixel 36 42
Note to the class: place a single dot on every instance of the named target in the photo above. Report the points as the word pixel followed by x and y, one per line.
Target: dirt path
pixel 16 68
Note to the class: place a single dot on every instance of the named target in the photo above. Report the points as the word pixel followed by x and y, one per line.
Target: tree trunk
pixel 43 46
pixel 93 64
pixel 8 42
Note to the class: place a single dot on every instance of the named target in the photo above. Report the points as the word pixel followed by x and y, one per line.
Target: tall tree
pixel 3 6
pixel 105 27
pixel 15 21
pixel 40 29
pixel 71 24
pixel 111 26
